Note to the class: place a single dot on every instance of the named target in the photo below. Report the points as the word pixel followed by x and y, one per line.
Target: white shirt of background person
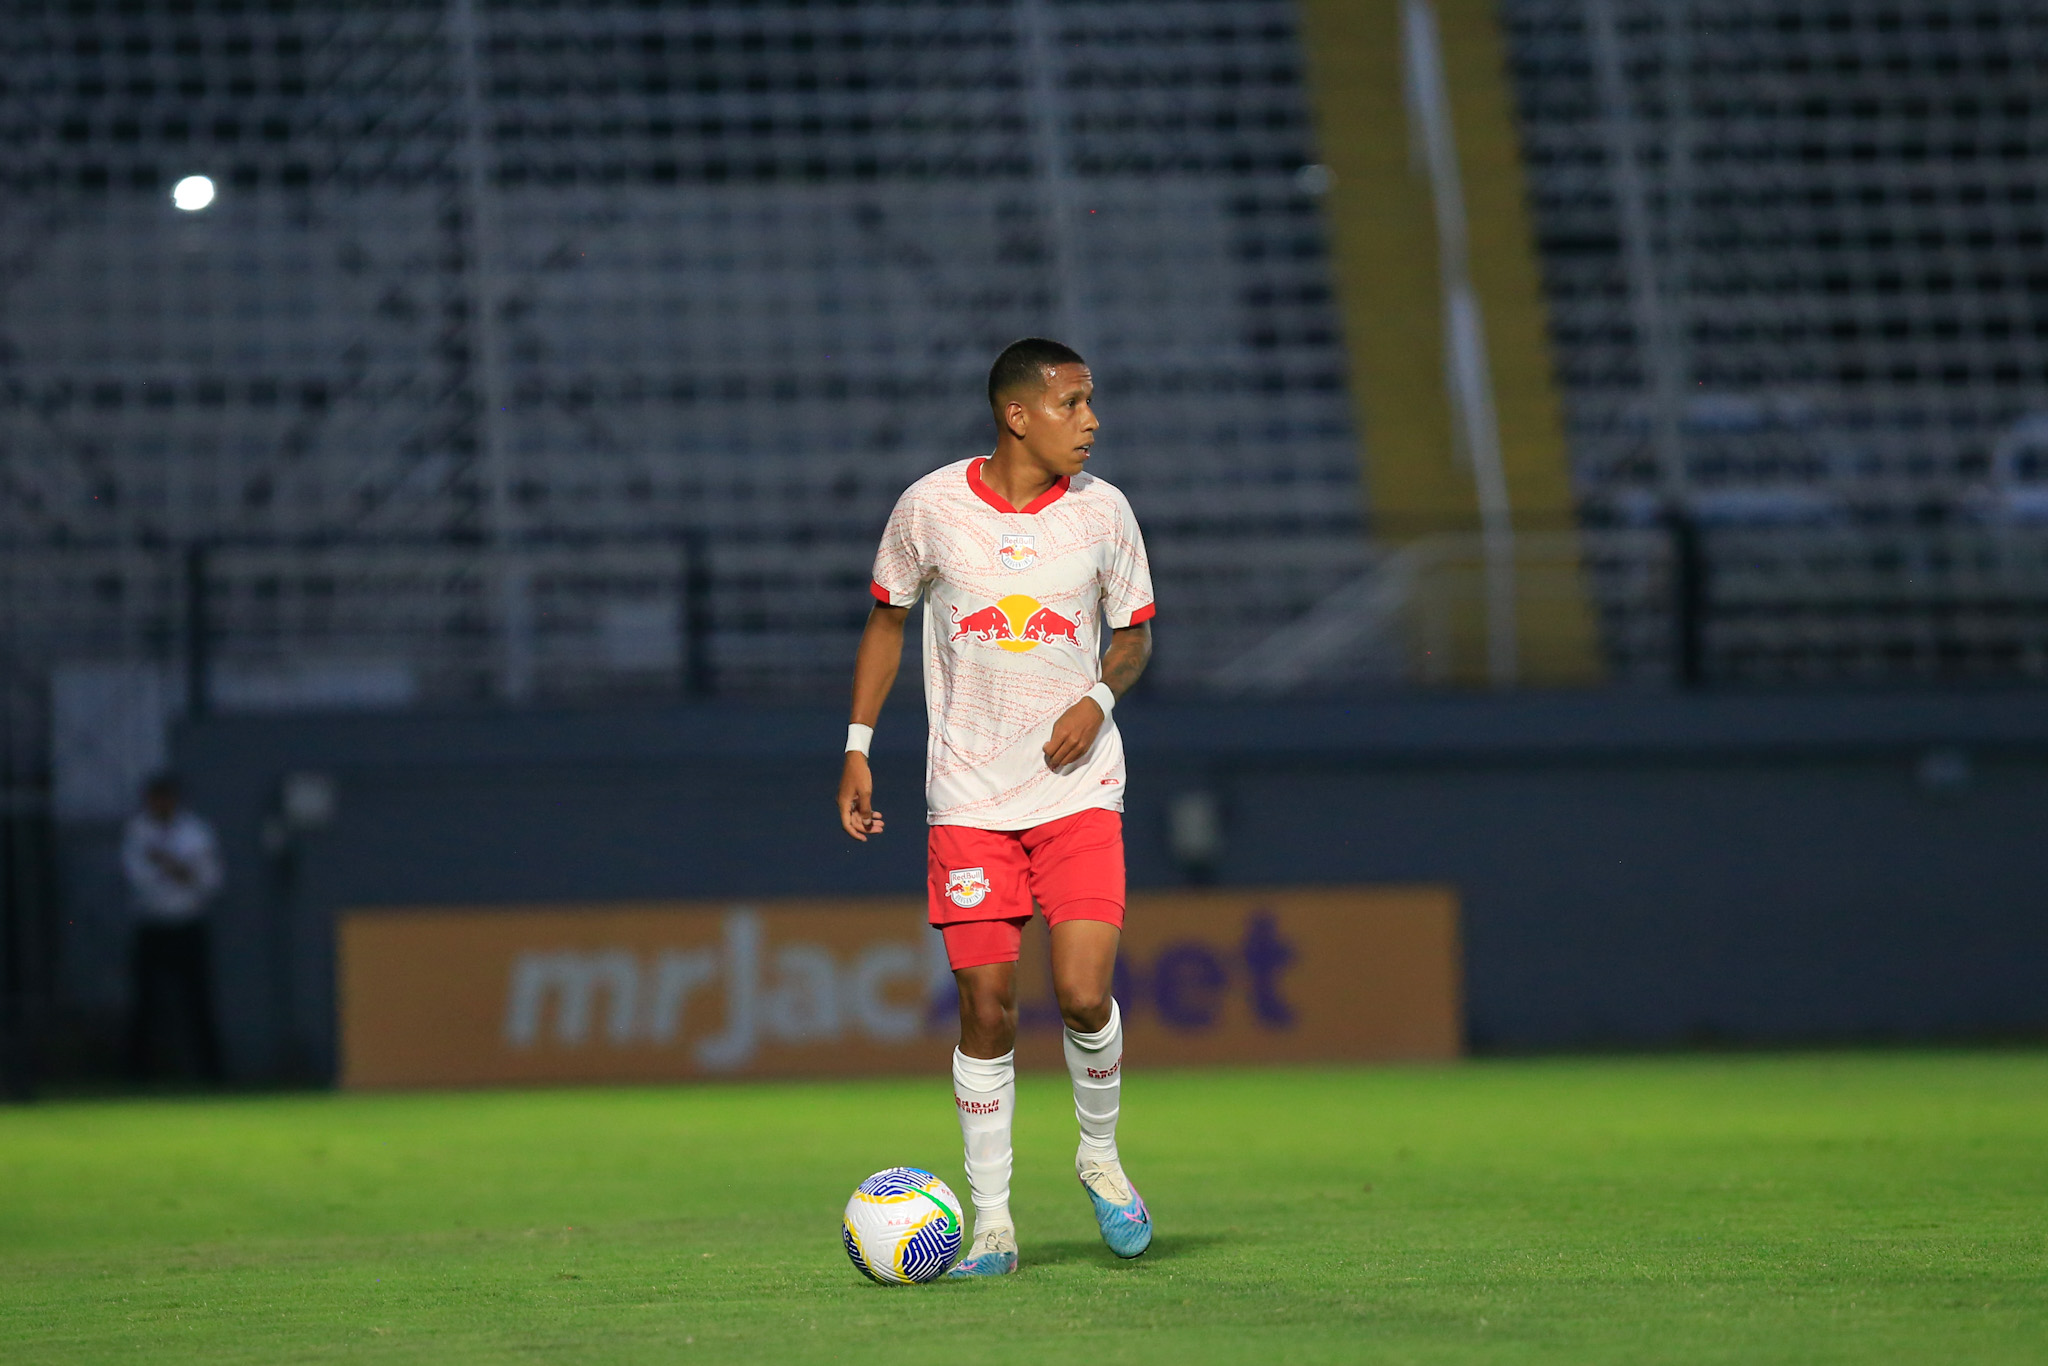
pixel 172 862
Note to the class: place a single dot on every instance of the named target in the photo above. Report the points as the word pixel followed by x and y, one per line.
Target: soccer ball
pixel 902 1227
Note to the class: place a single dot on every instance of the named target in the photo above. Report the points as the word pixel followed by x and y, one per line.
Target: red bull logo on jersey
pixel 1017 623
pixel 1017 551
pixel 966 887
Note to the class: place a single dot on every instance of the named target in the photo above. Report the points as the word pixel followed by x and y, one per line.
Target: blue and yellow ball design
pixel 902 1227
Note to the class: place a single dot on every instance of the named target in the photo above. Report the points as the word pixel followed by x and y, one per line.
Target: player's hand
pixel 1073 733
pixel 857 812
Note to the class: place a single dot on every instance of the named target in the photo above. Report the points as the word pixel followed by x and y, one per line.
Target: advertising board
pixel 673 990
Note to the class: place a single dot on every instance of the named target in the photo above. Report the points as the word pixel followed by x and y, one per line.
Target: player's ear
pixel 1016 418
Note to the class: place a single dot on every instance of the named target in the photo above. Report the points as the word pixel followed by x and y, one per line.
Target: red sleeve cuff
pixel 881 593
pixel 1144 613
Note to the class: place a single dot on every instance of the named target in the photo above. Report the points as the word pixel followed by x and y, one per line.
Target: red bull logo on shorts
pixel 966 887
pixel 1018 624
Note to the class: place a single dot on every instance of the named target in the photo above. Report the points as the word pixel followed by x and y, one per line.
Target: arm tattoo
pixel 1130 649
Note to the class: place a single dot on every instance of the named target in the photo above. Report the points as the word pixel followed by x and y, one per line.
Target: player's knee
pixel 1084 1008
pixel 992 1017
pixel 987 1019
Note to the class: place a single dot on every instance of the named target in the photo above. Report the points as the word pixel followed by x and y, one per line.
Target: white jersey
pixel 1014 609
pixel 150 852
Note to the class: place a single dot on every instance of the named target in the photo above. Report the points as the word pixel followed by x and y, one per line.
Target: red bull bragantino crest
pixel 1017 623
pixel 966 887
pixel 1017 552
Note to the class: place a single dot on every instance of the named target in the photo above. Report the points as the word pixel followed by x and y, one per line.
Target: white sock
pixel 985 1093
pixel 1096 1064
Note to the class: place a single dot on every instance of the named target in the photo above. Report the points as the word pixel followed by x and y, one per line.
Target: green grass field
pixel 1825 1208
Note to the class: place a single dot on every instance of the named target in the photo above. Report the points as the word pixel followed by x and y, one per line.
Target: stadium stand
pixel 1799 294
pixel 542 352
pixel 538 352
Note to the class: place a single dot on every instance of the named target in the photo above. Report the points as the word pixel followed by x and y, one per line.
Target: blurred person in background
pixel 172 862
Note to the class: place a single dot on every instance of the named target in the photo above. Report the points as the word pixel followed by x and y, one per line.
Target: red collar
pixel 996 501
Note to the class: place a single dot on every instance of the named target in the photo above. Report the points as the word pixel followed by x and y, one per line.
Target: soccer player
pixel 1023 560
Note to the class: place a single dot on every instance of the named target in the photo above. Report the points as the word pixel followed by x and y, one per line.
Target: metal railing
pixel 256 624
pixel 1683 604
pixel 678 614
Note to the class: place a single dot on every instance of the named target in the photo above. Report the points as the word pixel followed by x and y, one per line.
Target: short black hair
pixel 163 785
pixel 1024 363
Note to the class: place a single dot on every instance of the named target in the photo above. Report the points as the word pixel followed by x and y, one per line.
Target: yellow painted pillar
pixel 1382 218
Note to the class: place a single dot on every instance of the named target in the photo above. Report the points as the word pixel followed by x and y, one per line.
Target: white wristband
pixel 1104 698
pixel 858 738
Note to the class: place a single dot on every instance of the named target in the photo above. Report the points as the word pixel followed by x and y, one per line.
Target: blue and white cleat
pixel 1119 1209
pixel 992 1253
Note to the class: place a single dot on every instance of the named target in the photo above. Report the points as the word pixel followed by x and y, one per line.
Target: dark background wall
pixel 1635 871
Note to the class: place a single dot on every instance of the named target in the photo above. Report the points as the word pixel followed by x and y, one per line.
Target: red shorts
pixel 983 882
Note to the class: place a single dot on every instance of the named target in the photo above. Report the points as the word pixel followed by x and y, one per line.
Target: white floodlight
pixel 193 193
